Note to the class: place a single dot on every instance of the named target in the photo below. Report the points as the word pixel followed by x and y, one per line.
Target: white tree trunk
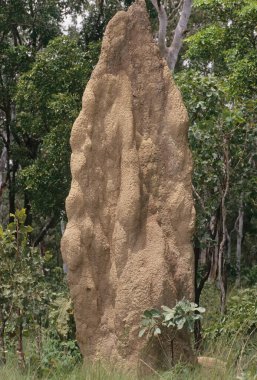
pixel 181 28
pixel 163 23
pixel 3 160
pixel 222 259
pixel 239 239
pixel 229 248
pixel 171 53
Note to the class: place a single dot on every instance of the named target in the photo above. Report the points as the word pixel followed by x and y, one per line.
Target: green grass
pixel 239 352
pixel 90 372
pixel 99 371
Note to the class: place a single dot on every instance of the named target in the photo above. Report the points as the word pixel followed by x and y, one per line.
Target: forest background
pixel 43 73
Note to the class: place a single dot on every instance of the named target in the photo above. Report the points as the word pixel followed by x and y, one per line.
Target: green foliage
pixel 56 354
pixel 48 101
pixel 241 318
pixel 182 315
pixel 23 290
pixel 60 315
pixel 218 83
pixel 96 20
pixel 232 337
pixel 249 276
pixel 34 301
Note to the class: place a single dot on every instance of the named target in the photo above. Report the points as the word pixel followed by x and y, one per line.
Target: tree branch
pixel 43 232
pixel 3 161
pixel 199 198
pixel 181 28
pixel 163 22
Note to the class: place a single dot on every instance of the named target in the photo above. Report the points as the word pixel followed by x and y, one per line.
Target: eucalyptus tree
pixel 219 86
pixel 177 9
pixel 25 28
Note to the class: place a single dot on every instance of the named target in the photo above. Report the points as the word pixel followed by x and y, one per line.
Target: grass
pixel 239 353
pixel 98 371
pixel 90 372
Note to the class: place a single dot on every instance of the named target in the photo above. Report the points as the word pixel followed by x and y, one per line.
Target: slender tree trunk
pixel 39 338
pixel 50 224
pixel 3 163
pixel 19 327
pixel 180 30
pixel 20 350
pixel 215 257
pixel 228 248
pixel 12 188
pixel 198 291
pixel 27 206
pixel 12 166
pixel 209 255
pixel 222 272
pixel 2 339
pixel 222 266
pixel 239 230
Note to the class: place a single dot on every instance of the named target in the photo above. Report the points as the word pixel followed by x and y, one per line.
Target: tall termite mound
pixel 130 211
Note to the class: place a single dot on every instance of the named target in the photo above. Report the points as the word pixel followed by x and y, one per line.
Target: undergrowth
pixel 231 339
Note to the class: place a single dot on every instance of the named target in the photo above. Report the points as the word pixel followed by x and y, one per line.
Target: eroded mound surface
pixel 130 210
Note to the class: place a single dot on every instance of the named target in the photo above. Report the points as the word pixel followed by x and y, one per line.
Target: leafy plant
pixel 60 315
pixel 241 318
pixel 167 322
pixel 34 301
pixel 182 315
pixel 249 276
pixel 23 290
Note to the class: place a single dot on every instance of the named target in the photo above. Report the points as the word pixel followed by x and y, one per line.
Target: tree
pixel 48 100
pixel 219 87
pixel 25 28
pixel 23 293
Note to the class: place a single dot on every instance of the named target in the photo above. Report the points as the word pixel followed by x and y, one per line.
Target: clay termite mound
pixel 130 211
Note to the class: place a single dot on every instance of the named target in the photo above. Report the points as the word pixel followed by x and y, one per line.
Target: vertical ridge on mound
pixel 130 209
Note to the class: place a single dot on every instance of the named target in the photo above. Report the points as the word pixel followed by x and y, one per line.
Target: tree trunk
pixel 20 351
pixel 50 224
pixel 215 256
pixel 2 339
pixel 209 256
pixel 171 53
pixel 180 30
pixel 239 230
pixel 222 275
pixel 3 163
pixel 27 206
pixel 12 188
pixel 222 270
pixel 198 290
pixel 12 166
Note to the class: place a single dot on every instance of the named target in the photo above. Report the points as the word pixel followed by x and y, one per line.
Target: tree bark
pixel 222 275
pixel 3 164
pixel 210 252
pixel 2 339
pixel 180 30
pixel 171 53
pixel 163 23
pixel 20 350
pixel 43 232
pixel 228 248
pixel 3 160
pixel 221 262
pixel 239 230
